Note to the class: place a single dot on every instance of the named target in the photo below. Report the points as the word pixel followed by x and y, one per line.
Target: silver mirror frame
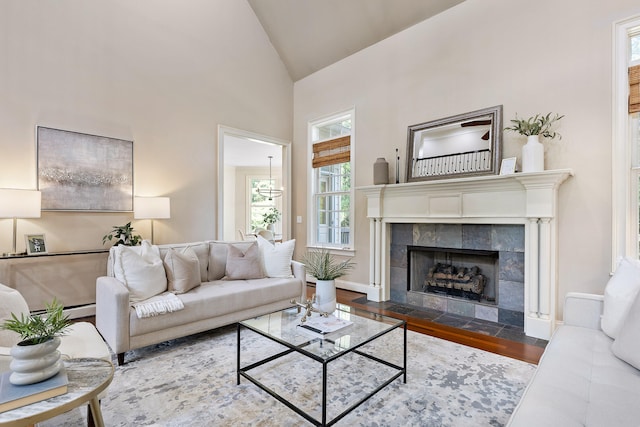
pixel 491 158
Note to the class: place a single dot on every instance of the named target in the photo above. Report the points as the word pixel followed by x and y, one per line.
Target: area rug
pixel 192 382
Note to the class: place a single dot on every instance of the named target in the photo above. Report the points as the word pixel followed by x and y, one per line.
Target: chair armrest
pixel 112 312
pixel 583 310
pixel 300 272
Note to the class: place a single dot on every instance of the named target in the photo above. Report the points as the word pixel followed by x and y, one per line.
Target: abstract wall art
pixel 81 172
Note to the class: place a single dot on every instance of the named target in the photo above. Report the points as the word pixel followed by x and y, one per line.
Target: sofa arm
pixel 300 272
pixel 112 313
pixel 583 310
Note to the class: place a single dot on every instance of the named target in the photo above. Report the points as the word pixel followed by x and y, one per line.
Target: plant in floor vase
pixel 270 217
pixel 123 235
pixel 325 267
pixel 533 128
pixel 36 357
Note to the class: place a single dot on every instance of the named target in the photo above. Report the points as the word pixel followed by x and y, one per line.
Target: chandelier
pixel 270 193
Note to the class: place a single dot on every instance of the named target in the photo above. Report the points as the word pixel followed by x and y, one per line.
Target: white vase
pixel 533 155
pixel 34 363
pixel 325 296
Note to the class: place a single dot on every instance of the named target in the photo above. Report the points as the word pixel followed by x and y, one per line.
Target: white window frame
pixel 624 177
pixel 248 204
pixel 311 208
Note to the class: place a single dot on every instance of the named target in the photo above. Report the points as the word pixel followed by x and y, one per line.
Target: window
pixel 626 146
pixel 258 204
pixel 332 178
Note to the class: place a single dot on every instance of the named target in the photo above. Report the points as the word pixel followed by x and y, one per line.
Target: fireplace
pixel 462 273
pixel 526 288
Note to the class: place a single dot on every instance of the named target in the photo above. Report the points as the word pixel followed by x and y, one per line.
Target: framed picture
pixel 81 172
pixel 508 166
pixel 467 144
pixel 36 244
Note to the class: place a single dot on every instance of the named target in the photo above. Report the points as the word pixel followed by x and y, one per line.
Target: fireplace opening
pixel 463 273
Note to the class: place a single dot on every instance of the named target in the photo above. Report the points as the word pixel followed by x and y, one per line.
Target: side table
pixel 87 379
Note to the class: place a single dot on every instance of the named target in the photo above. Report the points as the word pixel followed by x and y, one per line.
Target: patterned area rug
pixel 192 381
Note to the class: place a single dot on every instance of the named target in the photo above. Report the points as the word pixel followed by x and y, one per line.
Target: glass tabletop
pixel 285 327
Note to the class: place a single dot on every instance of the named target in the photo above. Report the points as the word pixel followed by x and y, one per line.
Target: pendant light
pixel 270 193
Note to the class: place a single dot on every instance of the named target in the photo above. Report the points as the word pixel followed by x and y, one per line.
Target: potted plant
pixel 532 128
pixel 324 266
pixel 36 358
pixel 123 235
pixel 270 217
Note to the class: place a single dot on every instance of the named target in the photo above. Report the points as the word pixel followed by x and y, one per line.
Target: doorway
pixel 247 162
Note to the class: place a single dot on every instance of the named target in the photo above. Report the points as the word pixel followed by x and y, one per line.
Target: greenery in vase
pixel 323 265
pixel 536 125
pixel 123 235
pixel 272 216
pixel 39 328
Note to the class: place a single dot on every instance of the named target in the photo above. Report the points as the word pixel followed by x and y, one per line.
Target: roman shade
pixel 634 89
pixel 332 152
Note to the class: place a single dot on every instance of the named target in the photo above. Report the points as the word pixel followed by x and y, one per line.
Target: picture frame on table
pixel 508 166
pixel 36 244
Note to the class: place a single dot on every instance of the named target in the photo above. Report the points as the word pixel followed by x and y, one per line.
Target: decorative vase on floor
pixel 34 363
pixel 533 155
pixel 325 296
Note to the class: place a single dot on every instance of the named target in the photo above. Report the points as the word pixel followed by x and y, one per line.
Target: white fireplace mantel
pixel 523 198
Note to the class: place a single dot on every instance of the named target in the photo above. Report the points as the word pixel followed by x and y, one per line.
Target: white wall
pixel 162 73
pixel 551 56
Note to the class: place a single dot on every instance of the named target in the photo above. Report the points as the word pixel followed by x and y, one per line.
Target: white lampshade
pixel 20 203
pixel 151 208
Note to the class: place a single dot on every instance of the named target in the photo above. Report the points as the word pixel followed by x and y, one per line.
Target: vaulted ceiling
pixel 312 34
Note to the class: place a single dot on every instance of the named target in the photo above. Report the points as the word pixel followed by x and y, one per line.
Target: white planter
pixel 34 363
pixel 533 155
pixel 325 296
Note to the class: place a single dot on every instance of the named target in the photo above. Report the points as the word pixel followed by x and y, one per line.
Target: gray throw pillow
pixel 244 264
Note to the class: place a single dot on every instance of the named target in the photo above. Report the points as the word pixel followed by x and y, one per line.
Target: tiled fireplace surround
pixel 454 209
pixel 507 240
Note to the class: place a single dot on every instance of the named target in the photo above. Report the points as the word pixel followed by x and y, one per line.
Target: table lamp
pixel 151 208
pixel 19 204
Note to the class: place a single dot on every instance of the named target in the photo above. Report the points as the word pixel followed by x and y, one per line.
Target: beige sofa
pixel 217 301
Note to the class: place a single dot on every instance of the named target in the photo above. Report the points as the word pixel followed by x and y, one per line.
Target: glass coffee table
pixel 364 327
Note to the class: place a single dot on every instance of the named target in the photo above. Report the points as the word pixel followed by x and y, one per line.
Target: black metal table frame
pixel 402 370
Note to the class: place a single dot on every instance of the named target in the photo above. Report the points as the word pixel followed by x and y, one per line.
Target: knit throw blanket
pixel 159 304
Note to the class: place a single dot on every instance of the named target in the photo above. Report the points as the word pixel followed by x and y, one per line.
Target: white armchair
pixel 80 340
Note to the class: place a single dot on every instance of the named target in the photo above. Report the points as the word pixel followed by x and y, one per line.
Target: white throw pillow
pixel 277 258
pixel 183 270
pixel 619 294
pixel 141 270
pixel 627 345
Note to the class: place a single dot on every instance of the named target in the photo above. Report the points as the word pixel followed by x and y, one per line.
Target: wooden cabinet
pixel 68 276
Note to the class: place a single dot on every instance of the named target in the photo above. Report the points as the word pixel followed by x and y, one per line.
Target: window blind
pixel 331 152
pixel 634 89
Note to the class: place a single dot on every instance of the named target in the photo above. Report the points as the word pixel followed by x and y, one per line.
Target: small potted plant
pixel 533 128
pixel 123 235
pixel 270 217
pixel 36 358
pixel 324 266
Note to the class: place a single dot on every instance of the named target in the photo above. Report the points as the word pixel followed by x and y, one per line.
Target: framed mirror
pixel 464 145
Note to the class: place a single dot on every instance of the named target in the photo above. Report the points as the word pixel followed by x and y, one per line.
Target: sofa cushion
pixel 277 257
pixel 244 264
pixel 579 382
pixel 619 294
pixel 141 270
pixel 201 250
pixel 627 344
pixel 218 257
pixel 218 298
pixel 183 270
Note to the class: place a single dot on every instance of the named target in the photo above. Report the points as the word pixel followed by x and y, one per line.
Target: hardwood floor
pixel 517 350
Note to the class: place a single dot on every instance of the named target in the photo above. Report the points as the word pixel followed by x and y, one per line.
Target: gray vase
pixel 380 171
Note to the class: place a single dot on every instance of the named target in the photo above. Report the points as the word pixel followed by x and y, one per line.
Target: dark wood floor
pixel 526 352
